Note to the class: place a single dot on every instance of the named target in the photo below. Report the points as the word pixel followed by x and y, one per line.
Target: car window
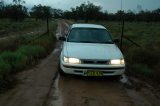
pixel 89 35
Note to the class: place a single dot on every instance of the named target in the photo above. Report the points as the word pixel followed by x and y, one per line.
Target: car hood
pixel 91 51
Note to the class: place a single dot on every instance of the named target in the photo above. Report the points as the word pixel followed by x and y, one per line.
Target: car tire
pixel 118 77
pixel 61 72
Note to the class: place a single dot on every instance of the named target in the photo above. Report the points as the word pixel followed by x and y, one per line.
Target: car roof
pixel 87 26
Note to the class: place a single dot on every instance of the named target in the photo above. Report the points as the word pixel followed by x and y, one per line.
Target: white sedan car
pixel 88 50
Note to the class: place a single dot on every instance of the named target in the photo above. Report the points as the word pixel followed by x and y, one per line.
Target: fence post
pixel 47 26
pixel 122 34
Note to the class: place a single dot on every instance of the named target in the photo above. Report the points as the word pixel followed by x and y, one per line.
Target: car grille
pixel 104 72
pixel 95 61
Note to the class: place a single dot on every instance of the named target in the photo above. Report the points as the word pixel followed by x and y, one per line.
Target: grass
pixel 7 25
pixel 16 60
pixel 5 78
pixel 9 44
pixel 23 52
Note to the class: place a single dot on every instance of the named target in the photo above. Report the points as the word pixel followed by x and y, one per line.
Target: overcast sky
pixel 109 5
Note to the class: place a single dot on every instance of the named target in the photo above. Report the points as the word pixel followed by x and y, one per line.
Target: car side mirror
pixel 62 38
pixel 116 40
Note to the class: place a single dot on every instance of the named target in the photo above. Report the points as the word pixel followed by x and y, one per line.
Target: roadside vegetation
pixel 26 53
pixel 23 50
pixel 9 27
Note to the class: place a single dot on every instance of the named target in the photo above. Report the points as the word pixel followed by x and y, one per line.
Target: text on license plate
pixel 93 73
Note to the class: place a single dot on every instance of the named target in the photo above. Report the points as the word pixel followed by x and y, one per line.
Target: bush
pixel 17 61
pixel 44 41
pixel 145 55
pixel 17 56
pixel 142 69
pixel 9 44
pixel 11 62
pixel 33 53
pixel 5 77
pixel 4 66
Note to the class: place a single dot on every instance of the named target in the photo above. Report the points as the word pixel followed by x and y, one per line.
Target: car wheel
pixel 118 77
pixel 60 70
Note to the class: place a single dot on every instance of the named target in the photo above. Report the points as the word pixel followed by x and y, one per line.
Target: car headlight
pixel 117 62
pixel 71 60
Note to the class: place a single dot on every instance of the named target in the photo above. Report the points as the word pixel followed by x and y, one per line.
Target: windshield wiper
pixel 92 42
pixel 96 42
pixel 86 42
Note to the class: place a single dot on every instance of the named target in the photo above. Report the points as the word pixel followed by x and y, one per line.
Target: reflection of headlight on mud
pixel 71 60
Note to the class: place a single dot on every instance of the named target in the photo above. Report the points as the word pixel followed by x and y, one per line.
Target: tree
pixel 18 2
pixel 156 14
pixel 92 11
pixel 42 12
pixel 85 12
pixel 58 13
pixel 2 9
pixel 130 16
pixel 89 11
pixel 120 15
pixel 16 12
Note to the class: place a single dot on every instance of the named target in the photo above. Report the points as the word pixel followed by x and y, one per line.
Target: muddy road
pixel 73 91
pixel 43 86
pixel 80 91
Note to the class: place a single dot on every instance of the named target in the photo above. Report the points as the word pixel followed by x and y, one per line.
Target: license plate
pixel 93 73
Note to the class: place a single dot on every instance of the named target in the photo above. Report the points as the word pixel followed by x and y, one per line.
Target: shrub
pixel 4 66
pixel 142 69
pixel 11 62
pixel 4 69
pixel 5 77
pixel 145 55
pixel 20 52
pixel 33 53
pixel 17 61
pixel 9 44
pixel 44 41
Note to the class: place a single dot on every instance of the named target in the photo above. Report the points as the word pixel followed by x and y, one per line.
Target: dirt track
pixel 41 86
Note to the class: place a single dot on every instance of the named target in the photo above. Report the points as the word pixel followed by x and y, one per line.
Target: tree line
pixel 86 11
pixel 90 11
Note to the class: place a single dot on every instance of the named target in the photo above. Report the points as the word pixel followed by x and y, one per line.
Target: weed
pixel 6 78
pixel 17 61
pixel 33 53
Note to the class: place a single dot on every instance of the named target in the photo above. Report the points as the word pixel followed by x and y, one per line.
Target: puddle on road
pixel 55 97
pixel 124 79
pixel 80 91
pixel 55 50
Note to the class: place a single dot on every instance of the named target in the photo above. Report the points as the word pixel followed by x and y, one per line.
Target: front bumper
pixel 80 69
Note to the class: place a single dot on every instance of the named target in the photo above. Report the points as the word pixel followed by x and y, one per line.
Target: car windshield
pixel 89 35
